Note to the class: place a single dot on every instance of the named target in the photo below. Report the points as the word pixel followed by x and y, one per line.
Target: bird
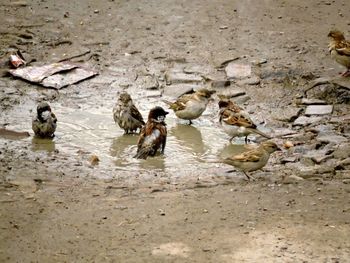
pixel 339 49
pixel 235 121
pixel 153 135
pixel 254 159
pixel 45 122
pixel 126 115
pixel 191 106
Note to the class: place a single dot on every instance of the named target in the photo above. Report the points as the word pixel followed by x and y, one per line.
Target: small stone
pixel 252 81
pixel 238 71
pixel 287 114
pixel 180 77
pixel 233 92
pixel 291 159
pixel 220 83
pixel 342 151
pixel 161 212
pixel 304 121
pixel 96 11
pixel 331 138
pixel 305 101
pixel 205 211
pixel 223 27
pixel 177 90
pixel 292 179
pixel 242 99
pixel 319 109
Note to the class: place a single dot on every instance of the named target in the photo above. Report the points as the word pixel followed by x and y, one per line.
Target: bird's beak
pixel 166 112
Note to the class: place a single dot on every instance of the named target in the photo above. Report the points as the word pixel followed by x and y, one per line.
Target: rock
pixel 306 101
pixel 291 159
pixel 178 90
pixel 288 144
pixel 220 83
pixel 304 121
pixel 317 156
pixel 180 77
pixel 292 179
pixel 287 114
pixel 342 151
pixel 153 93
pixel 343 174
pixel 343 164
pixel 241 100
pixel 197 69
pixel 150 82
pixel 319 109
pixel 238 71
pixel 253 80
pixel 233 92
pixel 331 138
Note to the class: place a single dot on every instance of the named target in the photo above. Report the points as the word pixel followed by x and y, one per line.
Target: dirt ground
pixel 57 207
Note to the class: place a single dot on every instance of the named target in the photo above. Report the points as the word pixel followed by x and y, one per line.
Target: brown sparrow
pixel 153 134
pixel 340 50
pixel 191 106
pixel 235 121
pixel 126 115
pixel 45 122
pixel 254 159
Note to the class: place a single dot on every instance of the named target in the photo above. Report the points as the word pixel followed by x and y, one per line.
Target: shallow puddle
pixel 92 130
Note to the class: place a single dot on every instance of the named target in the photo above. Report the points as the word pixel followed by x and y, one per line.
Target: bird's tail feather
pixel 261 133
pixel 143 153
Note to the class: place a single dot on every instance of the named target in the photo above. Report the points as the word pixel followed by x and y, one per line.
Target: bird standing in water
pixel 191 106
pixel 126 115
pixel 45 122
pixel 153 134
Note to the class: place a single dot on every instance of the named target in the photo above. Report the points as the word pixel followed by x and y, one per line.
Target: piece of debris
pixel 94 160
pixel 17 60
pixel 55 75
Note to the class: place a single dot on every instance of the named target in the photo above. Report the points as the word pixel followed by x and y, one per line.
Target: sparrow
pixel 153 134
pixel 45 122
pixel 235 121
pixel 339 49
pixel 253 160
pixel 126 115
pixel 191 106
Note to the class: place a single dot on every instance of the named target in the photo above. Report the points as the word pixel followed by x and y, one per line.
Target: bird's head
pixel 125 97
pixel 336 35
pixel 42 107
pixel 270 146
pixel 205 93
pixel 157 114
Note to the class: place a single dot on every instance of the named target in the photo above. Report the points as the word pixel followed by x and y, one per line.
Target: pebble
pixel 319 109
pixel 180 77
pixel 237 71
pixel 304 121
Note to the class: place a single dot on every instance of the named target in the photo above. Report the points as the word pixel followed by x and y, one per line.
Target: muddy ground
pixel 181 207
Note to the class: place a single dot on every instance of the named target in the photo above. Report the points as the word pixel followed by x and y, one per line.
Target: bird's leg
pixel 249 176
pixel 231 139
pixel 190 122
pixel 246 139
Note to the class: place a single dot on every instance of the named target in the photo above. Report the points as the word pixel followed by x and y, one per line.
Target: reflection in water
pixel 190 138
pixel 39 144
pixel 124 148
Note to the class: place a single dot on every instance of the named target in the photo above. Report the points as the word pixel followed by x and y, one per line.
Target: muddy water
pixel 91 130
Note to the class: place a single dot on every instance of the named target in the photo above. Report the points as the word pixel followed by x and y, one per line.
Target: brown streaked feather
pixel 239 120
pixel 250 156
pixel 136 114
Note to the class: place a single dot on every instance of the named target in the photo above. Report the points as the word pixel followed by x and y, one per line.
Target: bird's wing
pixel 343 48
pixel 136 114
pixel 238 119
pixel 180 103
pixel 250 156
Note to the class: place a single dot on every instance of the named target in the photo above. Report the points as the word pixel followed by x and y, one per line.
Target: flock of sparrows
pixel 153 134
